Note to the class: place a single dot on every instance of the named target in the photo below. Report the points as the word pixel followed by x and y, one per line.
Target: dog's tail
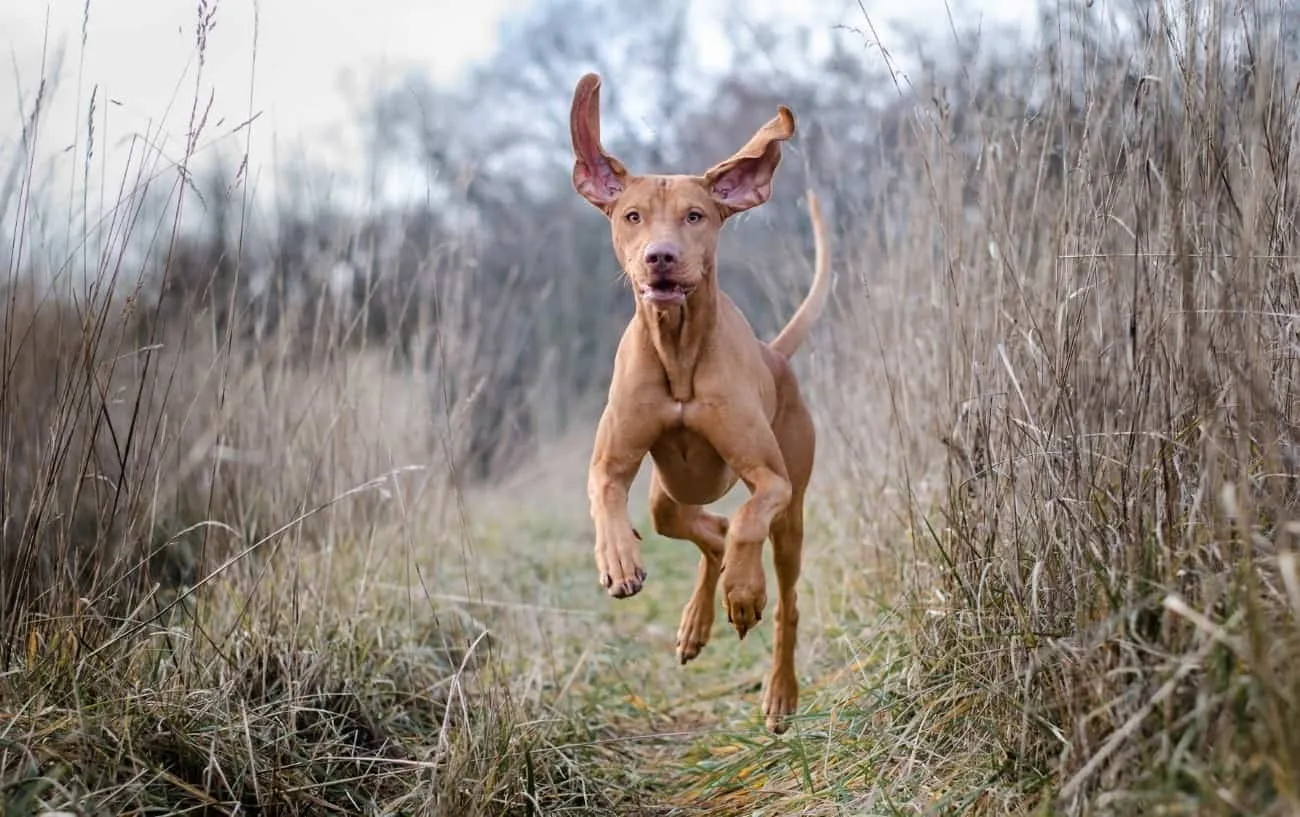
pixel 796 331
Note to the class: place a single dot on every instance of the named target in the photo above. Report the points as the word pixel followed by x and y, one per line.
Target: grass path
pixel 689 740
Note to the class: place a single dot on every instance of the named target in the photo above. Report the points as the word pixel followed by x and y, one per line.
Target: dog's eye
pixel 694 217
pixel 632 217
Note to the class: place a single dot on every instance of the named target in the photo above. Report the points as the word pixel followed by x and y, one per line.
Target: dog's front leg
pixel 740 433
pixel 623 439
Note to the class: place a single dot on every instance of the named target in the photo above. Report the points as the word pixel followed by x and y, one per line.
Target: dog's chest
pixel 684 446
pixel 678 415
pixel 690 468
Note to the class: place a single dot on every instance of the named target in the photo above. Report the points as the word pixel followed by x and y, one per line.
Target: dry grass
pixel 225 572
pixel 1056 570
pixel 226 555
pixel 1093 310
pixel 1051 564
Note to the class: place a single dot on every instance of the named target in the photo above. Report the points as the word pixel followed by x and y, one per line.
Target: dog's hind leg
pixel 781 697
pixel 798 438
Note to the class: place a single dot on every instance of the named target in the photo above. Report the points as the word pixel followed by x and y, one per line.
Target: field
pixel 270 550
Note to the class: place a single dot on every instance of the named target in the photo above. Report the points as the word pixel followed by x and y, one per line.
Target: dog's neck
pixel 680 333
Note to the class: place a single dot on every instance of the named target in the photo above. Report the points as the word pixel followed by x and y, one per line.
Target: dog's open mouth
pixel 664 293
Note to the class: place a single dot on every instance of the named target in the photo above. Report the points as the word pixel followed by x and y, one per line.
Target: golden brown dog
pixel 697 391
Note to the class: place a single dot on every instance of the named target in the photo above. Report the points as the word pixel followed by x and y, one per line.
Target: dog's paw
pixel 618 564
pixel 780 700
pixel 744 594
pixel 697 623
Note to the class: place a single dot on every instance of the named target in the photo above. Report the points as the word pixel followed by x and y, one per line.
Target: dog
pixel 697 391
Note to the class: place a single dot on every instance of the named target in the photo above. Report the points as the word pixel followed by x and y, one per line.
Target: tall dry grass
pixel 1087 307
pixel 227 543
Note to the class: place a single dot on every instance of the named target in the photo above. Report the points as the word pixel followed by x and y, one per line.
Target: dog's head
pixel 665 228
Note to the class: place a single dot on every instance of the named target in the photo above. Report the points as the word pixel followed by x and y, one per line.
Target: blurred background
pixel 347 151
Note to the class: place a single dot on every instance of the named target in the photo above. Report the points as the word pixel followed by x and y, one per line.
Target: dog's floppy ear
pixel 599 177
pixel 745 180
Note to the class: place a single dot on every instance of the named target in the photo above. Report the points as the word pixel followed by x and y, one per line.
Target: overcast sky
pixel 296 63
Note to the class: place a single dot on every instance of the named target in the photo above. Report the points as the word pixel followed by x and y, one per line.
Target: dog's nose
pixel 661 256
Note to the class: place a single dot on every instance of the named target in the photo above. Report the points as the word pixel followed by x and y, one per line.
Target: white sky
pixel 297 63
